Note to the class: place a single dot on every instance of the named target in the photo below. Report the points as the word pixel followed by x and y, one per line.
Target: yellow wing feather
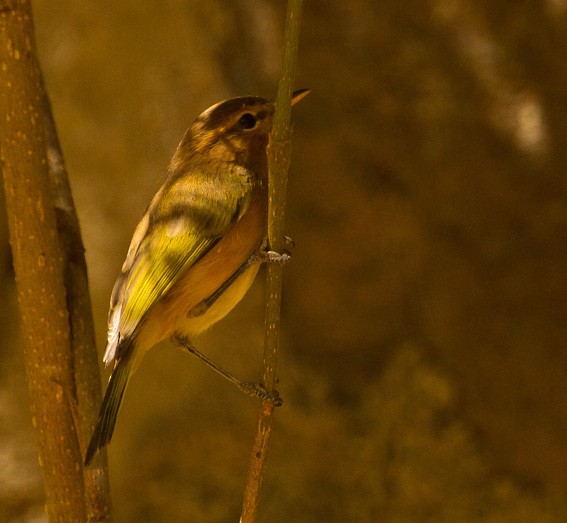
pixel 183 222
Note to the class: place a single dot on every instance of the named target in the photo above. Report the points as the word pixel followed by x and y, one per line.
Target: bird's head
pixel 235 130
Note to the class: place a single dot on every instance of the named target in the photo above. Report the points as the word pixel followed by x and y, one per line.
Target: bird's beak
pixel 298 95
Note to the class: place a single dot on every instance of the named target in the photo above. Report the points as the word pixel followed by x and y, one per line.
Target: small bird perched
pixel 197 248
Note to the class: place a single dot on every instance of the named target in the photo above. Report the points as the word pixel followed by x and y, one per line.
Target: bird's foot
pixel 258 390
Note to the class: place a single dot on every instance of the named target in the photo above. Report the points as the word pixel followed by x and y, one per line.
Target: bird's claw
pixel 257 390
pixel 276 257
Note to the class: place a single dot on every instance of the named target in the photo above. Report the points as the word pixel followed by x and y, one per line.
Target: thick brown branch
pixel 47 258
pixel 83 346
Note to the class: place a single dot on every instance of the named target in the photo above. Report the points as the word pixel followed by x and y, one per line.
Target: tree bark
pixel 48 255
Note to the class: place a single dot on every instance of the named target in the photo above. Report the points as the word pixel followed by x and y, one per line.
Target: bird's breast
pixel 205 277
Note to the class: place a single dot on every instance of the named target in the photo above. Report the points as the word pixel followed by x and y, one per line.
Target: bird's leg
pixel 261 255
pixel 254 390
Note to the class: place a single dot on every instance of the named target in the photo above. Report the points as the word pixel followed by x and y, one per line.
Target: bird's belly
pixel 190 325
pixel 203 279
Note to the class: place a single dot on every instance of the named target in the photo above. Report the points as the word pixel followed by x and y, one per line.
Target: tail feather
pixel 110 406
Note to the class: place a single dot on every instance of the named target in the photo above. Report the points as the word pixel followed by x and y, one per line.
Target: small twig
pixel 278 163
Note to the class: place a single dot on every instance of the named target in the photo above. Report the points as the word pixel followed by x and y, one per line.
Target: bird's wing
pixel 178 228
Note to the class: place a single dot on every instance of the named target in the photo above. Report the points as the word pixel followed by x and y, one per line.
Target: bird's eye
pixel 247 121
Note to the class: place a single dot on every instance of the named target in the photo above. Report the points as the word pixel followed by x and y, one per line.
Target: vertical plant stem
pixel 279 154
pixel 57 330
pixel 38 265
pixel 83 344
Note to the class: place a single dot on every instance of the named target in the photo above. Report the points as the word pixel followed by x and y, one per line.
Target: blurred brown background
pixel 423 362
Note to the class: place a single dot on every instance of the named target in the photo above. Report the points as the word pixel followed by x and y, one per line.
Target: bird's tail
pixel 110 405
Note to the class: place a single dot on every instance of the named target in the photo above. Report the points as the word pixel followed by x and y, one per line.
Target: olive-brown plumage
pixel 203 225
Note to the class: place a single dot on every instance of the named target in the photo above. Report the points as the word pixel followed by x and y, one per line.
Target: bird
pixel 196 249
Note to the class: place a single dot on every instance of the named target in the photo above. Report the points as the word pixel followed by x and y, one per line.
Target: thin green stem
pixel 279 154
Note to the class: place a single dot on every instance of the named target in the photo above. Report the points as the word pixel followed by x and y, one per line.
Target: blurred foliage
pixel 423 366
